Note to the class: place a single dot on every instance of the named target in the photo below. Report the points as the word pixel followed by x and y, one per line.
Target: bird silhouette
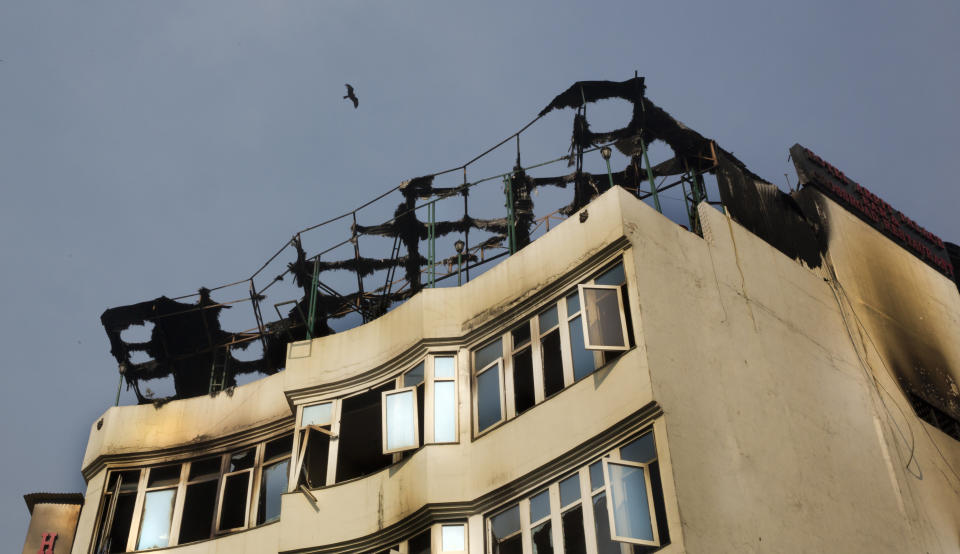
pixel 352 96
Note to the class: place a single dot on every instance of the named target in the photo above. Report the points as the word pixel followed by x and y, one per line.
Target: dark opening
pixel 513 545
pixel 420 544
pixel 233 507
pixel 552 364
pixel 542 539
pixel 315 459
pixel 199 505
pixel 204 468
pixel 523 381
pixel 361 444
pixel 573 538
pixel 164 476
pixel 122 519
pixel 659 509
pixel 278 447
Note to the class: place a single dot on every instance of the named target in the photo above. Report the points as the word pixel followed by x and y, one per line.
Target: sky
pixel 151 148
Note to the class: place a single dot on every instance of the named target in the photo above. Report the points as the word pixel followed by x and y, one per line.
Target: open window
pixel 605 325
pixel 360 436
pixel 235 491
pixel 200 501
pixel 630 506
pixel 314 445
pixel 119 500
pixel 400 420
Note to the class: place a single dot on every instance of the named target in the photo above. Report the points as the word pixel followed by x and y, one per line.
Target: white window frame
pixel 583 318
pixel 608 487
pixel 109 497
pixel 384 419
pixel 223 485
pixel 437 537
pixel 301 438
pixel 430 400
pixel 496 365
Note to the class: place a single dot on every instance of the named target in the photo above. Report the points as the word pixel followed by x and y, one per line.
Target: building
pixel 757 387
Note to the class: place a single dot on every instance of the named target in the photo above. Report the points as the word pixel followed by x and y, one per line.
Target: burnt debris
pixel 188 342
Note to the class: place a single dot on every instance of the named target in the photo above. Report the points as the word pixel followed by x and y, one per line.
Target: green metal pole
pixel 511 225
pixel 653 186
pixel 609 173
pixel 313 296
pixel 686 204
pixel 119 386
pixel 459 268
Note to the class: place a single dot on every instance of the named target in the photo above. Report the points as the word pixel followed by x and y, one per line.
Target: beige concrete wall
pixel 778 439
pixel 52 518
pixel 145 428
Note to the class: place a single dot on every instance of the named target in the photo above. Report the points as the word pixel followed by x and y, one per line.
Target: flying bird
pixel 352 96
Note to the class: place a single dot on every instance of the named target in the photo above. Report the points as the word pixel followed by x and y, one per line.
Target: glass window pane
pixel 601 521
pixel 199 505
pixel 604 327
pixel 205 468
pixel 628 497
pixel 540 506
pixel 444 411
pixel 318 414
pixel 443 367
pixel 596 475
pixel 573 304
pixel 233 506
pixel 487 354
pixel 506 523
pixel 414 376
pixel 548 319
pixel 570 489
pixel 642 450
pixel 521 334
pixel 241 460
pixel 452 538
pixel 574 541
pixel 401 421
pixel 273 483
pixel 542 538
pixel 583 364
pixel 164 476
pixel 488 398
pixel 613 276
pixel 155 524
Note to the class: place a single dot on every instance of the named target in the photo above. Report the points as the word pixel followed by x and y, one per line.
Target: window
pixel 574 511
pixel 489 407
pixel 195 500
pixel 445 428
pixel 401 431
pixel 453 537
pixel 313 452
pixel 564 342
pixel 606 327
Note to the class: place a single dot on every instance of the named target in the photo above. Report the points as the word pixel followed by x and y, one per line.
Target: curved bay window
pixel 178 503
pixel 613 505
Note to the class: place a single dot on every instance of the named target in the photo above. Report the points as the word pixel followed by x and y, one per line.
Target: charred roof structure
pixel 188 342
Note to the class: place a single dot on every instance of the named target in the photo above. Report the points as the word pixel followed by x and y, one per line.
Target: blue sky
pixel 151 148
